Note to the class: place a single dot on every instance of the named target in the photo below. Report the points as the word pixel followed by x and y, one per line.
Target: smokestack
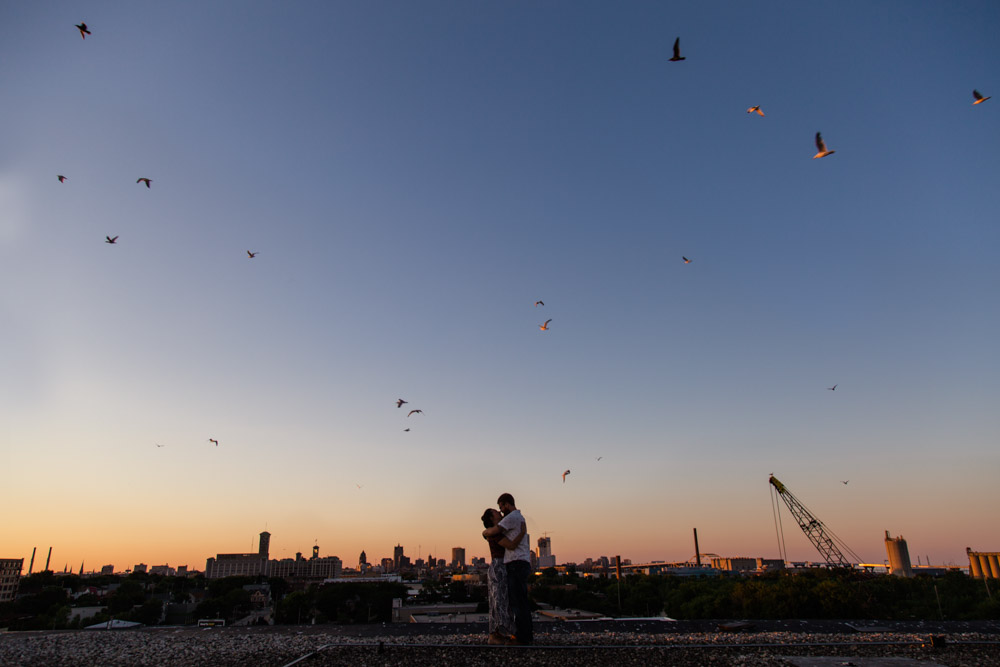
pixel 697 551
pixel 32 563
pixel 48 559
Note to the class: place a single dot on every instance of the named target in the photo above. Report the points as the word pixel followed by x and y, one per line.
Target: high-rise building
pixel 362 561
pixel 108 569
pixel 10 577
pixel 458 557
pixel 545 557
pixel 265 545
pixel 397 555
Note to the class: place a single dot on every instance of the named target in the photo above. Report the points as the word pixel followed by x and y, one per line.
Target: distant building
pixel 362 561
pixel 10 577
pixel 251 565
pixel 164 570
pixel 397 556
pixel 264 545
pixel 545 557
pixel 458 557
pixel 108 569
pixel 739 564
pixel 328 567
pixel 139 567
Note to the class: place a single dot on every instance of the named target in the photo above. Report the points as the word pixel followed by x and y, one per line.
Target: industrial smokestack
pixel 697 551
pixel 48 559
pixel 32 563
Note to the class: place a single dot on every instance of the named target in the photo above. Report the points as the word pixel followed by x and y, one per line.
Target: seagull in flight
pixel 844 481
pixel 677 51
pixel 147 181
pixel 686 260
pixel 979 97
pixel 110 239
pixel 833 388
pixel 83 30
pixel 599 458
pixel 251 255
pixel 213 440
pixel 564 476
pixel 62 179
pixel 419 412
pixel 539 303
pixel 406 430
pixel 757 109
pixel 821 147
pixel 359 486
pixel 545 327
pixel 157 444
pixel 400 402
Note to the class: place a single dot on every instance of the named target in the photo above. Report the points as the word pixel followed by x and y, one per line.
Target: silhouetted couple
pixel 510 568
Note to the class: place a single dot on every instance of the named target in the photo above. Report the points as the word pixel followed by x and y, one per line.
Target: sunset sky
pixel 414 176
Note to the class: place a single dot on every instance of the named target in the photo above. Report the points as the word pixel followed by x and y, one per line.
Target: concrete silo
pixel 983 564
pixel 899 556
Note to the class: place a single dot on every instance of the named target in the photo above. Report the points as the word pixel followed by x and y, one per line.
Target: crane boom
pixel 811 526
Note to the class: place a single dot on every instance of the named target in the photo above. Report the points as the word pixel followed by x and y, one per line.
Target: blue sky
pixel 415 176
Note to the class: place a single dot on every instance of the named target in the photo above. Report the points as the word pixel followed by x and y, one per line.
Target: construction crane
pixel 822 537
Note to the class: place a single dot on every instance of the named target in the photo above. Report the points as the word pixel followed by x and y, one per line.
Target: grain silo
pixel 899 556
pixel 984 564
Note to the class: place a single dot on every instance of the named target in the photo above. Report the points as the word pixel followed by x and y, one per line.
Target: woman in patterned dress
pixel 501 617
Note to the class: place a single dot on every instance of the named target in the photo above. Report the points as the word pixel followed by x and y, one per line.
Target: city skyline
pixel 350 205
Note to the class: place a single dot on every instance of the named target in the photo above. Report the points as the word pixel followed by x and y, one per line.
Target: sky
pixel 414 177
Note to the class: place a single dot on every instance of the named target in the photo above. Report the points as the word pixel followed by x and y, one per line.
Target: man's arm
pixel 512 544
pixel 491 531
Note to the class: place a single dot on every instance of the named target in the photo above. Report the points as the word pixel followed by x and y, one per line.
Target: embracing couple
pixel 510 568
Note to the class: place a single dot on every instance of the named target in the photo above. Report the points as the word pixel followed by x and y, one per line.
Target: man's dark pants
pixel 518 572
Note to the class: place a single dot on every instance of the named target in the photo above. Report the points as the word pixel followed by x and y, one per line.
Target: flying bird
pixel 147 181
pixel 844 481
pixel 251 255
pixel 979 97
pixel 677 51
pixel 406 430
pixel 400 402
pixel 157 444
pixel 213 440
pixel 358 485
pixel 833 388
pixel 821 147
pixel 757 109
pixel 564 476
pixel 599 458
pixel 545 327
pixel 419 412
pixel 539 303
pixel 686 260
pixel 83 30
pixel 62 179
pixel 109 239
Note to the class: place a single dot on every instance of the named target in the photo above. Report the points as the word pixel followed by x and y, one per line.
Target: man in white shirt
pixel 518 562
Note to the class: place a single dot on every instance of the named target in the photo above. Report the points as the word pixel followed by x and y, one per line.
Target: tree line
pixel 813 594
